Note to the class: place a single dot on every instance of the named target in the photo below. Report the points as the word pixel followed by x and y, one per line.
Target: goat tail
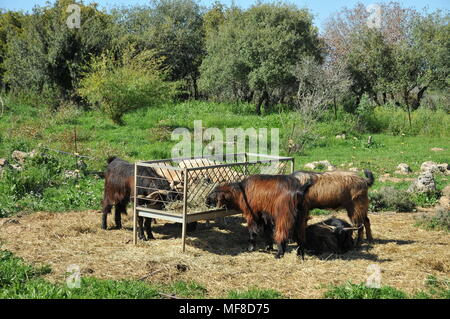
pixel 370 178
pixel 110 159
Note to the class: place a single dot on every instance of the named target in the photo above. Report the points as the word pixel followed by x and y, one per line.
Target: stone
pixel 435 167
pixel 403 168
pixel 437 149
pixel 340 136
pixel 423 184
pixel 20 156
pixel 3 162
pixel 318 164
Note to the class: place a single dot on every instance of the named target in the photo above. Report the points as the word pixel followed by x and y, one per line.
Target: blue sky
pixel 321 9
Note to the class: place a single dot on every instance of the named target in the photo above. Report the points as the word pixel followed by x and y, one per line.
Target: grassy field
pixel 408 254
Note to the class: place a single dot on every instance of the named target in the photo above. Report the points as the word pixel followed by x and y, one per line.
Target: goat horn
pixel 162 192
pixel 328 226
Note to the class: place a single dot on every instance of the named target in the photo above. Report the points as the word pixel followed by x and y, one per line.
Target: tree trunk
pixel 267 102
pixel 416 102
pixel 335 107
pixel 258 105
pixel 195 86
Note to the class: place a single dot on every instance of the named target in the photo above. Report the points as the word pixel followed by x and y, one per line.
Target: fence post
pixel 134 206
pixel 292 165
pixel 185 190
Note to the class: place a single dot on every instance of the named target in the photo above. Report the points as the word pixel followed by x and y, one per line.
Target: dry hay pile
pixel 216 256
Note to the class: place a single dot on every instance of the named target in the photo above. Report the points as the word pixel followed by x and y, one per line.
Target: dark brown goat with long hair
pixel 119 188
pixel 340 189
pixel 263 200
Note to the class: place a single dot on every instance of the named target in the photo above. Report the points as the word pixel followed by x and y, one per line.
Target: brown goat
pixel 340 189
pixel 119 189
pixel 263 200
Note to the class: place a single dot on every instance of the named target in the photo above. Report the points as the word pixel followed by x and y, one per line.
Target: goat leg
pixel 268 236
pixel 252 230
pixel 141 228
pixel 106 210
pixel 281 249
pixel 148 228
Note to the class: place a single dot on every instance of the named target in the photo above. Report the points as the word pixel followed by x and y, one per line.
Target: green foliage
pixel 254 293
pixel 135 81
pixel 252 53
pixel 19 280
pixel 47 56
pixel 361 291
pixel 391 120
pixel 389 198
pixel 41 185
pixel 173 29
pixel 439 220
pixel 13 270
pixel 436 288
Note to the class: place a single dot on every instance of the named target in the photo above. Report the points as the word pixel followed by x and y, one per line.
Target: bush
pixel 394 120
pixel 134 81
pixel 439 220
pixel 389 198
pixel 41 185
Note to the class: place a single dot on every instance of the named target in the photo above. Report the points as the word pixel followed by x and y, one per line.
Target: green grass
pixel 20 280
pixel 439 220
pixel 147 135
pixel 435 288
pixel 254 293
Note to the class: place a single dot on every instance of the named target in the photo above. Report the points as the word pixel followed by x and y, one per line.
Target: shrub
pixel 439 220
pixel 134 81
pixel 389 198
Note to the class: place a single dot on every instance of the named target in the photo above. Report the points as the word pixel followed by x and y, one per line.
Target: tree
pixel 48 55
pixel 251 55
pixel 118 86
pixel 398 61
pixel 10 26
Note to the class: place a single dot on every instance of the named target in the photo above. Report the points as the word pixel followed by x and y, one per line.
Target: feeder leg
pixel 183 236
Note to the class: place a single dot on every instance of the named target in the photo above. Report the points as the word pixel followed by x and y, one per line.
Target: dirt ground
pixel 216 256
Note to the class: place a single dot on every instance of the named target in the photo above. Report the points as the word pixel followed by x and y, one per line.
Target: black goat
pixel 331 235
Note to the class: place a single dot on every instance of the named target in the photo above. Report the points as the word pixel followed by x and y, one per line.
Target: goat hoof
pixel 278 256
pixel 269 248
pixel 251 248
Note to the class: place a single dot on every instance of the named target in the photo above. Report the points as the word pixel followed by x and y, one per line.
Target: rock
pixel 16 167
pixel 403 168
pixel 423 184
pixel 72 174
pixel 434 167
pixel 437 149
pixel 20 156
pixel 3 162
pixel 319 164
pixel 340 136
